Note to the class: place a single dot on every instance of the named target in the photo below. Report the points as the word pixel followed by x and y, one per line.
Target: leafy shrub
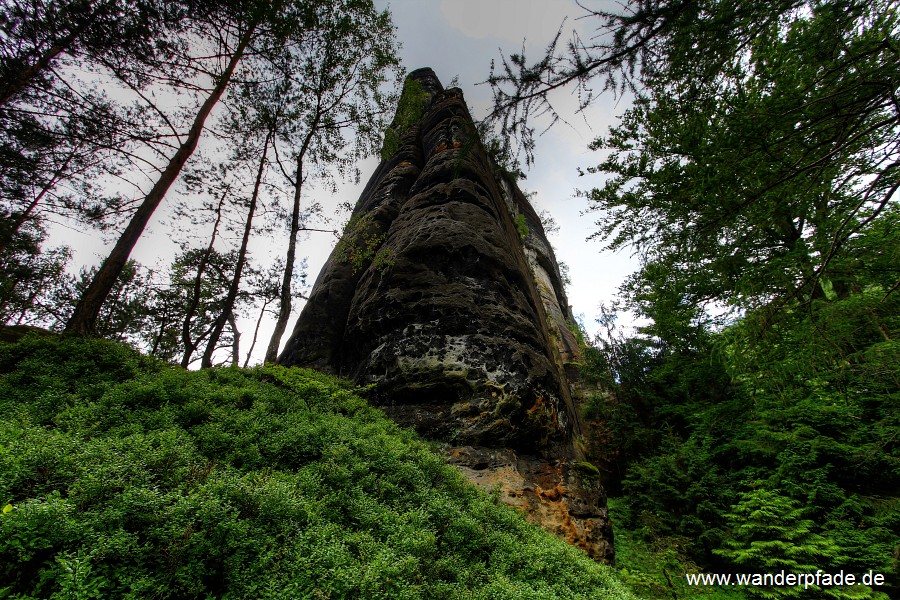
pixel 521 226
pixel 362 244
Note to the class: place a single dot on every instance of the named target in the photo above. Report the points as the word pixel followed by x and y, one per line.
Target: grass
pixel 124 477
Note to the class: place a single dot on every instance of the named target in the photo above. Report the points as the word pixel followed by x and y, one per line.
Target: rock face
pixel 444 293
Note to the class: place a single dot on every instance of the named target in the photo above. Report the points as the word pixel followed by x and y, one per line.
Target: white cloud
pixel 508 20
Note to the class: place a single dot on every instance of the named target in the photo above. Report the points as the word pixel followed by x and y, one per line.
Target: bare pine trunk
pixel 262 313
pixel 189 344
pixel 84 318
pixel 284 303
pixel 235 341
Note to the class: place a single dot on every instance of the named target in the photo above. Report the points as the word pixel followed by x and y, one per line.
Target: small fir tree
pixel 770 534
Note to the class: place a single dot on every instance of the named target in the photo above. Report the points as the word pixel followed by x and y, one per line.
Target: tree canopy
pixel 103 104
pixel 761 150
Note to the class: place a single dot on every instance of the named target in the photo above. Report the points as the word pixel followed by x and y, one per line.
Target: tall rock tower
pixel 445 294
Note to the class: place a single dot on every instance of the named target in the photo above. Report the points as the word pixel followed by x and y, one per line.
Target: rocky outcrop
pixel 444 293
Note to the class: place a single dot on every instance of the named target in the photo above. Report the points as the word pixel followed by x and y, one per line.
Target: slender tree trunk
pixel 284 303
pixel 20 219
pixel 157 339
pixel 235 341
pixel 84 318
pixel 262 313
pixel 233 289
pixel 197 289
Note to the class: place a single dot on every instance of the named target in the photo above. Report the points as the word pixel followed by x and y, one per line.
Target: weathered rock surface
pixel 458 316
pixel 556 494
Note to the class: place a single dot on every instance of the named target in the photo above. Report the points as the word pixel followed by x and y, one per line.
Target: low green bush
pixel 124 477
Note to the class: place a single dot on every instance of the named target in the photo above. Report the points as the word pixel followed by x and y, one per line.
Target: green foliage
pixel 521 226
pixel 33 279
pixel 809 410
pixel 770 535
pixel 125 477
pixel 198 281
pixel 361 244
pixel 391 144
pixel 755 177
pixel 498 149
pixel 586 470
pixel 767 182
pixel 410 108
pixel 656 569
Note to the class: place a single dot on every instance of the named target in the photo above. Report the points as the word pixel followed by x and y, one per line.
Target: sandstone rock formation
pixel 444 293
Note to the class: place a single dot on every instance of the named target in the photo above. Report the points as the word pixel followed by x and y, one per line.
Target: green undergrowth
pixel 656 569
pixel 124 477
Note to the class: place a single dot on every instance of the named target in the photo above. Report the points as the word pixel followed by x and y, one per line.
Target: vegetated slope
pixel 121 476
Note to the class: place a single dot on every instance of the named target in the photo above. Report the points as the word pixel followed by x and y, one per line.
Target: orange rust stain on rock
pixel 539 404
pixel 546 495
pixel 553 494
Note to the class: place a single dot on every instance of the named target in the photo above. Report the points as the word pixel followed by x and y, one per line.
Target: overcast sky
pixel 458 39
